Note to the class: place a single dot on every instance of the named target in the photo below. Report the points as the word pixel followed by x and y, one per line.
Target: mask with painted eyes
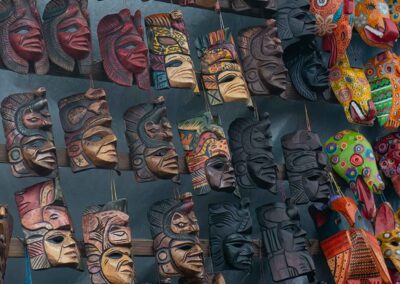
pixel 123 50
pixel 90 141
pixel 28 131
pixel 108 241
pixel 6 228
pixel 22 42
pixel 207 154
pixel 353 159
pixel 47 227
pixel 170 62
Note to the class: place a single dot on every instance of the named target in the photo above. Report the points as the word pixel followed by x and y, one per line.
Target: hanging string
pixel 28 271
pixel 281 191
pixel 255 109
pixel 177 191
pixel 308 124
pixel 206 102
pixel 91 82
pixel 219 12
pixel 114 196
pixel 334 184
pixel 262 272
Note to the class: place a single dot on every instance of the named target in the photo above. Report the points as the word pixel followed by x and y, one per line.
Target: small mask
pixel 261 53
pixel 221 72
pixel 386 65
pixel 86 121
pixel 108 243
pixel 6 228
pixel 353 91
pixel 123 50
pixel 306 167
pixel 251 144
pixel 149 135
pixel 21 37
pixel 352 158
pixel 29 138
pixel 372 22
pixel 207 154
pixel 47 227
pixel 170 62
pixel 284 241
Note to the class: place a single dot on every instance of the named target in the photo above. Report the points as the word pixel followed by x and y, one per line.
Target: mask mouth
pixel 366 197
pixel 387 35
pixel 361 116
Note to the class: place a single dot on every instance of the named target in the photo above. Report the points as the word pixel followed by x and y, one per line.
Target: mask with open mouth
pixel 372 21
pixel 353 91
pixel 221 72
pixel 352 158
pixel 90 141
pixel 29 137
pixel 6 228
pixel 107 239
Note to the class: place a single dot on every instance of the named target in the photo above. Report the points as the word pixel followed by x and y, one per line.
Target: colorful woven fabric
pixel 381 93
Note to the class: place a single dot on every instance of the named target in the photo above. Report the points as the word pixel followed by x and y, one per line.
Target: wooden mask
pixel 6 228
pixel 207 154
pixel 108 243
pixel 90 141
pixel 47 226
pixel 21 38
pixel 67 32
pixel 170 63
pixel 264 6
pixel 261 53
pixel 149 135
pixel 29 138
pixel 251 144
pixel 221 72
pixel 306 167
pixel 123 49
pixel 284 241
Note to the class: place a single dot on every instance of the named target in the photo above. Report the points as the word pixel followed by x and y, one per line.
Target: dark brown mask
pixel 6 228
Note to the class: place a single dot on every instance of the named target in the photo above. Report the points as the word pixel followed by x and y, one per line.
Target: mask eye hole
pixel 115 255
pixel 22 31
pixel 218 165
pixel 95 138
pixel 227 78
pixel 174 63
pixel 185 247
pixel 71 29
pixel 56 239
pixel 371 6
pixel 322 3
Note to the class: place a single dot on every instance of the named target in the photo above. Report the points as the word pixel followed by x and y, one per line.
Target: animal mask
pixel 6 228
pixel 29 138
pixel 353 91
pixel 123 49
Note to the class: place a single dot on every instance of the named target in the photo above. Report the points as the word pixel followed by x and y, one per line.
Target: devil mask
pixel 220 68
pixel 6 228
pixel 284 241
pixel 251 144
pixel 108 241
pixel 261 53
pixel 170 62
pixel 306 167
pixel 47 226
pixel 21 37
pixel 29 138
pixel 230 236
pixel 352 158
pixel 86 121
pixel 207 154
pixel 353 91
pixel 123 49
pixel 149 135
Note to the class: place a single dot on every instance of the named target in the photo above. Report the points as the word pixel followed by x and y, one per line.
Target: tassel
pixel 28 272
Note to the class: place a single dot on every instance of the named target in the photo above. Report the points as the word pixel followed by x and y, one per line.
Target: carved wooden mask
pixel 90 141
pixel 221 72
pixel 265 6
pixel 6 228
pixel 261 53
pixel 251 144
pixel 29 138
pixel 170 63
pixel 123 49
pixel 47 226
pixel 108 242
pixel 207 154
pixel 149 135
pixel 21 38
pixel 67 32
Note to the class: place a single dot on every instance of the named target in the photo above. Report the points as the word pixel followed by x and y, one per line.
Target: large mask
pixel 261 53
pixel 170 62
pixel 21 39
pixel 6 228
pixel 372 21
pixel 353 91
pixel 251 144
pixel 352 158
pixel 47 227
pixel 108 241
pixel 306 167
pixel 207 154
pixel 123 49
pixel 149 135
pixel 284 241
pixel 29 138
pixel 221 72
pixel 86 121
pixel 67 32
